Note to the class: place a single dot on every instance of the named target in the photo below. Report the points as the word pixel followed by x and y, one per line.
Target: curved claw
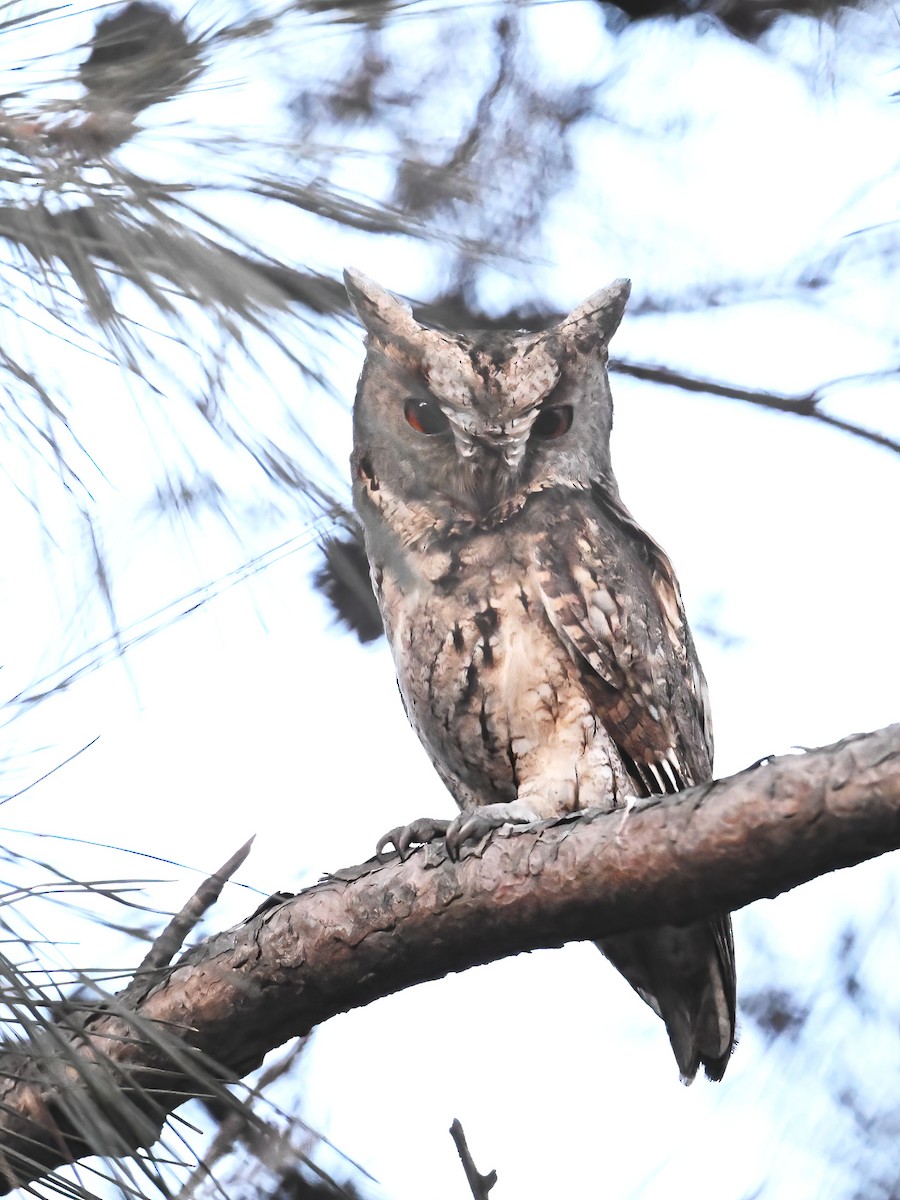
pixel 474 823
pixel 402 837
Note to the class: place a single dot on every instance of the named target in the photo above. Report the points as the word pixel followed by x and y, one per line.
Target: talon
pixel 402 837
pixel 453 839
pixel 391 838
pixel 475 823
pixel 466 828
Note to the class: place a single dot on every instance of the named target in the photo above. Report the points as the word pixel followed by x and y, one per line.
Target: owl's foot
pixel 474 823
pixel 402 837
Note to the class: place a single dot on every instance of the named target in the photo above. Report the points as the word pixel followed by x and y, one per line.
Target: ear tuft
pixel 384 315
pixel 600 314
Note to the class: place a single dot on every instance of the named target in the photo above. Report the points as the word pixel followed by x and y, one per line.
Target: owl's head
pixel 472 423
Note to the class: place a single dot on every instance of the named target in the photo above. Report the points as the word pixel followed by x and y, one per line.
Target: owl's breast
pixel 486 682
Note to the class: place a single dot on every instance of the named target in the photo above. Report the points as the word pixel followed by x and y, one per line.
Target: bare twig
pixel 172 938
pixel 803 405
pixel 480 1184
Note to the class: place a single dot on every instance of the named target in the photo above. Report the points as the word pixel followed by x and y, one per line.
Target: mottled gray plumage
pixel 538 633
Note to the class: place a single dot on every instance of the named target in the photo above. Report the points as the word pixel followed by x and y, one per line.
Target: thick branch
pixel 375 929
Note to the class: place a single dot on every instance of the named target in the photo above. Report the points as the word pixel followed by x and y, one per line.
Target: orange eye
pixel 553 422
pixel 425 416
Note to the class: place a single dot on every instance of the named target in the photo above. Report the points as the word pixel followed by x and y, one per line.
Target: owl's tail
pixel 686 975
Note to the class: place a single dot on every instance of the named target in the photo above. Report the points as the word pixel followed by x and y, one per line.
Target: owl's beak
pixel 490 471
pixel 508 446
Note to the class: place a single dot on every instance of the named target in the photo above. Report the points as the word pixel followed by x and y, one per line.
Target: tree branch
pixel 372 930
pixel 479 1184
pixel 804 404
pixel 173 937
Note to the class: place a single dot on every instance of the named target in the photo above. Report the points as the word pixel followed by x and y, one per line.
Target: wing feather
pixel 611 595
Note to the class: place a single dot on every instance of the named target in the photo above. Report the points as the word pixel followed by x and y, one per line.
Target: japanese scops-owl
pixel 538 632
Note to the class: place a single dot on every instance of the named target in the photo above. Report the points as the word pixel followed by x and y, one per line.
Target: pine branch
pixel 107 1084
pixel 173 937
pixel 799 405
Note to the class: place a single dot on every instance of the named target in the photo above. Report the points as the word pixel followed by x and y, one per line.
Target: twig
pixel 170 941
pixel 480 1184
pixel 805 405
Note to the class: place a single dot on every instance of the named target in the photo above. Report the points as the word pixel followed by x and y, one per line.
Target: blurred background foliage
pixel 178 192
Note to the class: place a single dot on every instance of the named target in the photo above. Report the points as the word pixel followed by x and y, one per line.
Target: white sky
pixel 255 715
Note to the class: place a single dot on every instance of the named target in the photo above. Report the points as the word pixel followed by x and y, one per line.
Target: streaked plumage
pixel 538 633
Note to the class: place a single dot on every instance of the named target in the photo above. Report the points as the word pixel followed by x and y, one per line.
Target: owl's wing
pixel 611 595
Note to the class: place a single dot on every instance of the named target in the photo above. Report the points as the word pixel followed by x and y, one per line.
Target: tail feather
pixel 686 975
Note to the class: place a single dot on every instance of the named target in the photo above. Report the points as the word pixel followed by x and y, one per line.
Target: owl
pixel 538 633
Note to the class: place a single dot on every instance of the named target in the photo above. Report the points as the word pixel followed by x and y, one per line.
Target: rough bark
pixel 365 932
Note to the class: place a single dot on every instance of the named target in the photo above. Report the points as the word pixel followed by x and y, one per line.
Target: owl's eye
pixel 553 422
pixel 425 416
